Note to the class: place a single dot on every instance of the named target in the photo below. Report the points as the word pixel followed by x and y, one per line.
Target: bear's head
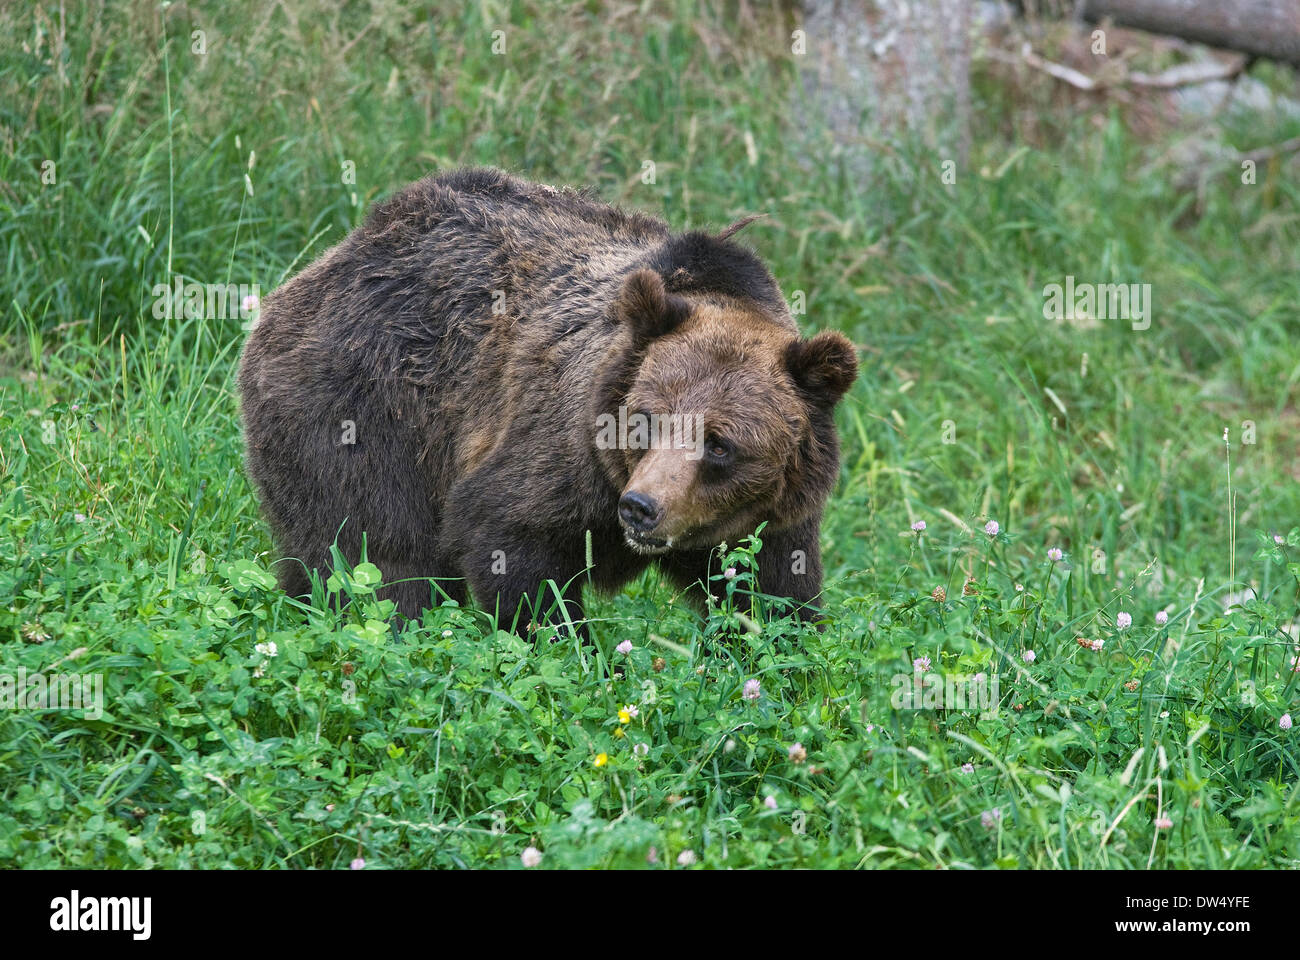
pixel 713 416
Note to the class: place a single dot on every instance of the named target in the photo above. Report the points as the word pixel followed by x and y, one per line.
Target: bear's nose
pixel 639 512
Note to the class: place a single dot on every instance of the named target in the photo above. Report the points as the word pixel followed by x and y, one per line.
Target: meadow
pixel 1121 572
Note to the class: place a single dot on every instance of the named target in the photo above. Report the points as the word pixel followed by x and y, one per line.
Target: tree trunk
pixel 881 67
pixel 1266 28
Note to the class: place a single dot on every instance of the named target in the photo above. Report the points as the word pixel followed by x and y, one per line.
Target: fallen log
pixel 1263 28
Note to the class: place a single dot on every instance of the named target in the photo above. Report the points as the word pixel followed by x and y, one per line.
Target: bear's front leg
pixel 790 566
pixel 509 579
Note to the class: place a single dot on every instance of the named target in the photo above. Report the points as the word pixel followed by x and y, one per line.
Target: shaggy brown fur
pixel 435 382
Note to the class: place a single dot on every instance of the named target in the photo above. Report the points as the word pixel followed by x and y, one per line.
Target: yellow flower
pixel 624 716
pixel 618 733
pixel 601 759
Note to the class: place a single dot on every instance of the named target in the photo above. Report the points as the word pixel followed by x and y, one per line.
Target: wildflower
pixel 918 527
pixel 601 760
pixel 625 647
pixel 1285 721
pixel 753 689
pixel 730 573
pixel 531 857
pixel 992 528
pixel 797 753
pixel 870 728
pixel 1029 656
pixel 349 668
pixel 921 664
pixel 659 663
pixel 1164 823
pixel 1277 537
pixel 446 633
pixel 628 713
pixel 358 864
pixel 770 803
pixel 79 517
pixel 641 749
pixel 618 733
pixel 250 303
pixel 652 855
pixel 968 588
pixel 1162 618
pixel 1055 555
pixel 1123 621
pixel 1096 645
pixel 939 595
pixel 1131 686
pixel 267 649
pixel 729 746
pixel 991 818
pixel 968 768
pixel 686 858
pixel 33 632
pixel 260 671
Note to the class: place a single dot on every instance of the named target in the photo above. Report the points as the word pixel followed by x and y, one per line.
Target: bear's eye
pixel 719 450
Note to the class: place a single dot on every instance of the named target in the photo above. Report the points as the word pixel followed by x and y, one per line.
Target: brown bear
pixel 487 369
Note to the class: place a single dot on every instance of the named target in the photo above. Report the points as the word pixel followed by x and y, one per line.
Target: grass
pixel 131 546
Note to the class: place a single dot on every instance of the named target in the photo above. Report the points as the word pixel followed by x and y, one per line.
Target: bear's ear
pixel 823 367
pixel 647 308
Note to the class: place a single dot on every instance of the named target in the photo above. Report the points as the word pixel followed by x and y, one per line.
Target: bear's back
pixel 448 277
pixel 490 202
